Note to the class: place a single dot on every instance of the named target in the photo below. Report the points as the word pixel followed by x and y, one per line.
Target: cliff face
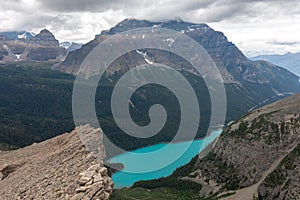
pixel 59 168
pixel 24 47
pixel 259 153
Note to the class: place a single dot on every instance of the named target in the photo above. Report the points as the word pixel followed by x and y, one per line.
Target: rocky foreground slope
pixel 258 155
pixel 59 168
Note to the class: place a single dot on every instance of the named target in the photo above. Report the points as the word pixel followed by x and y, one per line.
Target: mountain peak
pixel 174 24
pixel 46 32
pixel 45 38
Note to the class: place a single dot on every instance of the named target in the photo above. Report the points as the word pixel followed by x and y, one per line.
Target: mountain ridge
pixel 290 61
pixel 24 46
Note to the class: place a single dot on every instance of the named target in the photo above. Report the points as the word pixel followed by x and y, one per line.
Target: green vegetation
pixel 279 176
pixel 224 174
pixel 186 169
pixel 169 182
pixel 161 194
pixel 34 105
pixel 155 194
pixel 260 128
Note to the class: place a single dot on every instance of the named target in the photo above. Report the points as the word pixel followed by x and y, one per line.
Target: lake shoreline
pixel 158 160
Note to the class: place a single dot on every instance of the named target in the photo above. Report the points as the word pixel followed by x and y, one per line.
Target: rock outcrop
pixel 59 168
pixel 94 183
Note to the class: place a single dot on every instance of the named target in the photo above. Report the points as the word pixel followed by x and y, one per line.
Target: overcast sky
pixel 264 26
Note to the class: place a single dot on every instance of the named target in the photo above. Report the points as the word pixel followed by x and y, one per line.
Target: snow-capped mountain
pixel 70 46
pixel 25 46
pixel 18 35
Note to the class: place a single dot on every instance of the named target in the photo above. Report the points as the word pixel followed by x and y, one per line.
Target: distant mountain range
pixel 24 46
pixel 71 46
pixel 290 61
pixel 17 46
pixel 18 35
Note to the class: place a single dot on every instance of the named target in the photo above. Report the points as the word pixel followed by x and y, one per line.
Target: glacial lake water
pixel 157 161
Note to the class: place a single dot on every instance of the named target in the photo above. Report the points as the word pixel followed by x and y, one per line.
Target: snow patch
pixel 156 26
pixel 22 36
pixel 190 29
pixel 131 103
pixel 170 41
pixel 18 56
pixel 65 45
pixel 146 58
pixel 5 47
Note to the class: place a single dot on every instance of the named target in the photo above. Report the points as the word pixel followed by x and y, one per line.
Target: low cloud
pixel 286 43
pixel 241 20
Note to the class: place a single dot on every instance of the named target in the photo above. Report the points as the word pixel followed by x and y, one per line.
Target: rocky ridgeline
pixel 41 47
pixel 59 168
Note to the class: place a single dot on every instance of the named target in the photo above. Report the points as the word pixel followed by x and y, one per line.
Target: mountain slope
pixel 251 82
pixel 59 168
pixel 290 61
pixel 250 149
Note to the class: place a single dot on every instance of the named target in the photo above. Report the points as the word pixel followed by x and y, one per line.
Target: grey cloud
pixel 87 5
pixel 81 20
pixel 287 43
pixel 195 10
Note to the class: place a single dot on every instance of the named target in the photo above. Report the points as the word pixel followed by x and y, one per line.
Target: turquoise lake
pixel 158 160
